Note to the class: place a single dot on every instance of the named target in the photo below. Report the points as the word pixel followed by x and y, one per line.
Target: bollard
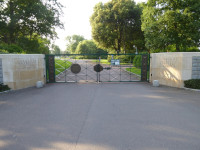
pixel 155 83
pixel 39 84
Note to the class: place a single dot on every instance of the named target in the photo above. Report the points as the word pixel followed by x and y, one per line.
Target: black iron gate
pixel 97 68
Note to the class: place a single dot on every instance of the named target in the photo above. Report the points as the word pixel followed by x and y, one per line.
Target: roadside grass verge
pixel 61 65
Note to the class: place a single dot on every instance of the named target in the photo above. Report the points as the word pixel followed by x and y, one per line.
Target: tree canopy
pixel 89 47
pixel 25 45
pixel 55 49
pixel 171 23
pixel 72 43
pixel 30 21
pixel 27 18
pixel 116 25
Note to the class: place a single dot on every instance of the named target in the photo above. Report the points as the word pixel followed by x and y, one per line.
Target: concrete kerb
pixel 6 91
pixel 188 89
pixel 196 90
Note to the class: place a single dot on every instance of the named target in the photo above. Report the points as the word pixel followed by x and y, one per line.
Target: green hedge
pixel 12 48
pixel 3 87
pixel 122 58
pixel 2 51
pixel 137 61
pixel 192 83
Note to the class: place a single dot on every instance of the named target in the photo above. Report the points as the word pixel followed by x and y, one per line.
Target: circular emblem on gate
pixel 75 68
pixel 98 68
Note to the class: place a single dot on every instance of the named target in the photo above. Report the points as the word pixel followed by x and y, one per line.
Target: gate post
pixel 144 68
pixel 51 68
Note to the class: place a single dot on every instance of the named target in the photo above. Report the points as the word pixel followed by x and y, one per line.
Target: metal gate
pixel 97 68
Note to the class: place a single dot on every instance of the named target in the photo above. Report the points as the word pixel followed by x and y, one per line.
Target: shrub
pixel 122 58
pixel 2 51
pixel 12 48
pixel 192 83
pixel 137 61
pixel 3 87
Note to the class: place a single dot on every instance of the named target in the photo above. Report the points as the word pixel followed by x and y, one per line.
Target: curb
pixel 196 90
pixel 5 91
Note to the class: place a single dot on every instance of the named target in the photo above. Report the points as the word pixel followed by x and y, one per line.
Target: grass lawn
pixel 103 61
pixel 134 70
pixel 61 65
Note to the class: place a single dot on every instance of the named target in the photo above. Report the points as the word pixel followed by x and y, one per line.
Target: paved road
pixel 131 116
pixel 87 74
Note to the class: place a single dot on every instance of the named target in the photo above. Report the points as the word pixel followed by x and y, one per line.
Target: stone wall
pixel 172 69
pixel 1 72
pixel 196 67
pixel 22 71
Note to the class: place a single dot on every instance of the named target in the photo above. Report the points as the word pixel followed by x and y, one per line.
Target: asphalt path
pixel 87 73
pixel 105 116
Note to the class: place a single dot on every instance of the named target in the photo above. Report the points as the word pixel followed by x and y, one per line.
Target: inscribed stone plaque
pixel 196 67
pixel 1 71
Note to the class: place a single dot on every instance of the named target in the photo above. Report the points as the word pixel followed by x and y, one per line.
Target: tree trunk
pixel 177 38
pixel 12 23
pixel 119 46
pixel 177 48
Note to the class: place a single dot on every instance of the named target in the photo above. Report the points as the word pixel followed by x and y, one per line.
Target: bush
pixel 2 51
pixel 192 83
pixel 137 61
pixel 12 48
pixel 122 58
pixel 3 87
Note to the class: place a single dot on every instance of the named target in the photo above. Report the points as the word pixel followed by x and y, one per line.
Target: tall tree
pixel 89 47
pixel 116 25
pixel 171 23
pixel 72 42
pixel 36 45
pixel 27 18
pixel 56 49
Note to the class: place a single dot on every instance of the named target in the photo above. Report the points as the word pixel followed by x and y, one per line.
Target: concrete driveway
pixel 131 116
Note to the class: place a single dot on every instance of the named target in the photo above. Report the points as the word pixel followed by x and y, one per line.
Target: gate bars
pixel 97 68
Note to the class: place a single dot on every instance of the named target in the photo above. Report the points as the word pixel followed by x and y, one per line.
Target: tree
pixel 72 42
pixel 36 45
pixel 56 49
pixel 171 23
pixel 89 47
pixel 22 18
pixel 116 25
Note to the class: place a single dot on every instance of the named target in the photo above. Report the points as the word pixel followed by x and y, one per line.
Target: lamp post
pixel 136 49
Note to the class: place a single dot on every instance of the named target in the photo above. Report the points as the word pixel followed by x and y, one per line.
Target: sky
pixel 76 19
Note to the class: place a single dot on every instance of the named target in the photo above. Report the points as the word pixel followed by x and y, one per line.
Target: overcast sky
pixel 76 19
